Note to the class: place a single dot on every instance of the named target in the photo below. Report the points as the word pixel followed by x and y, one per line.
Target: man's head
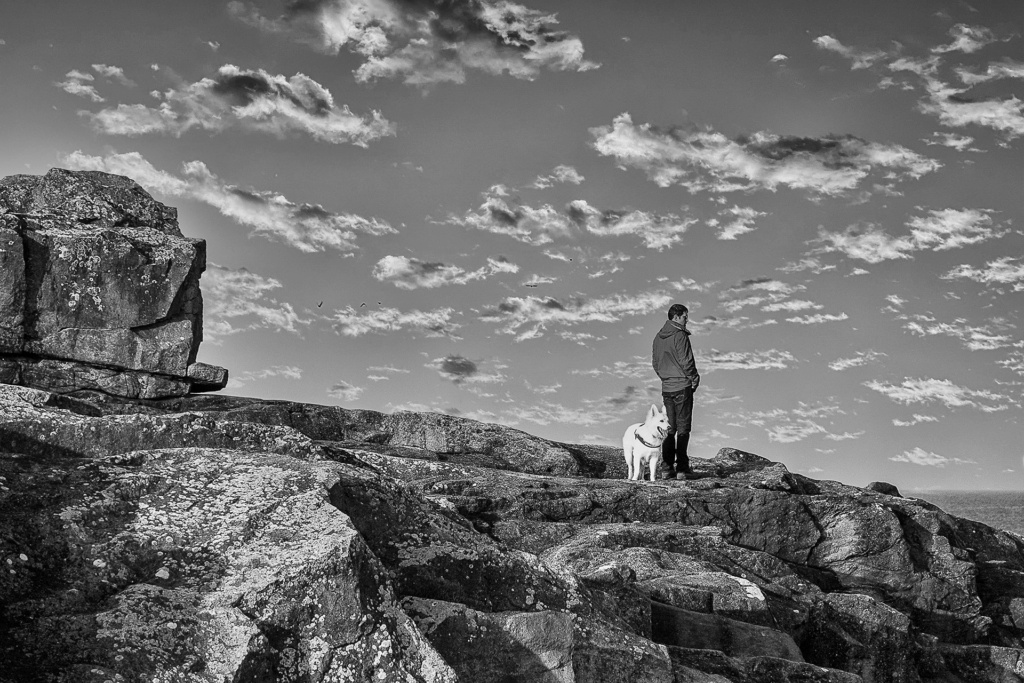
pixel 678 313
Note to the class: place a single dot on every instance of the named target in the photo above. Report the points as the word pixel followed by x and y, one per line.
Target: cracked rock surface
pixel 217 538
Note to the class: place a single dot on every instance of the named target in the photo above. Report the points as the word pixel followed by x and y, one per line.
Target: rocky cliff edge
pixel 215 538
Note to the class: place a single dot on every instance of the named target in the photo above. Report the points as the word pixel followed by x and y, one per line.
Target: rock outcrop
pixel 217 538
pixel 99 289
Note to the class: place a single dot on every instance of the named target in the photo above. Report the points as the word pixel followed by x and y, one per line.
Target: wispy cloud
pixel 945 229
pixel 461 370
pixel 658 231
pixel 974 337
pixel 114 73
pixel 1007 68
pixel 238 380
pixel 936 230
pixel 306 227
pixel 431 42
pixel 860 58
pixel 818 318
pixel 381 373
pixel 1002 271
pixel 967 39
pixel 917 419
pixel 940 391
pixel 798 424
pixel 411 273
pixel 343 391
pixel 560 174
pixel 80 83
pixel 238 300
pixel 960 143
pixel 503 215
pixel 704 160
pixel 350 322
pixel 955 108
pixel 253 100
pixel 756 292
pixel 514 313
pixel 857 360
pixel 772 359
pixel 735 221
pixel 919 456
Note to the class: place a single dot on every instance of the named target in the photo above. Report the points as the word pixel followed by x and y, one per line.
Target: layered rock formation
pixel 212 538
pixel 99 289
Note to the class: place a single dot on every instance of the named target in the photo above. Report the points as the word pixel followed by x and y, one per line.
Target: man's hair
pixel 677 309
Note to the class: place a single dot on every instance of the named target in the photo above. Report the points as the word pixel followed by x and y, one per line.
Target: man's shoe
pixel 682 476
pixel 669 474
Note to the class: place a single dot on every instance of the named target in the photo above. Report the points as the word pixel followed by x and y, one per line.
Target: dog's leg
pixel 654 465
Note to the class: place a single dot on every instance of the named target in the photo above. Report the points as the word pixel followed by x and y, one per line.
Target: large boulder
pixel 99 289
pixel 193 564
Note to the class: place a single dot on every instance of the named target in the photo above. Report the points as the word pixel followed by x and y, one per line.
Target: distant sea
pixel 999 509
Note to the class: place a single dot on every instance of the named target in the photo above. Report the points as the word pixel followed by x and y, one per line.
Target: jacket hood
pixel 671 328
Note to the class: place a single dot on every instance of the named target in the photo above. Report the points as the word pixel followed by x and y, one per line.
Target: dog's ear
pixel 653 411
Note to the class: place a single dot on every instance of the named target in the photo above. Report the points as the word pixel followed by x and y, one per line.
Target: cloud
pixel 536 280
pixel 917 419
pixel 956 109
pixel 779 58
pixel 967 39
pixel 560 174
pixel 866 242
pixel 639 367
pixel 78 83
pixel 1002 271
pixel 939 230
pixel 797 424
pixel 411 273
pixel 1007 68
pixel 974 337
pixel 349 322
pixel 1014 362
pixel 514 313
pixel 704 160
pixel 502 215
pixel 772 359
pixel 658 231
pixel 791 306
pixel 237 300
pixel 306 227
pixel 919 456
pixel 860 58
pixel 114 73
pixel 238 380
pixel 953 228
pixel 858 359
pixel 253 100
pixel 344 391
pixel 941 391
pixel 383 372
pixel 960 143
pixel 427 42
pixel 818 318
pixel 461 370
pixel 756 292
pixel 811 264
pixel 742 222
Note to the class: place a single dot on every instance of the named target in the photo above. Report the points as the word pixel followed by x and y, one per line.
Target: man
pixel 673 361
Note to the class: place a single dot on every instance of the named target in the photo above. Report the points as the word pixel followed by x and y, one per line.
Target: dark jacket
pixel 673 359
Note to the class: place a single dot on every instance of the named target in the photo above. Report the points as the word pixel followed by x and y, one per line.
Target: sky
pixel 485 208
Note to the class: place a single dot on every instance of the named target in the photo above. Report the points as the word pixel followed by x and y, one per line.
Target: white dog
pixel 641 444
